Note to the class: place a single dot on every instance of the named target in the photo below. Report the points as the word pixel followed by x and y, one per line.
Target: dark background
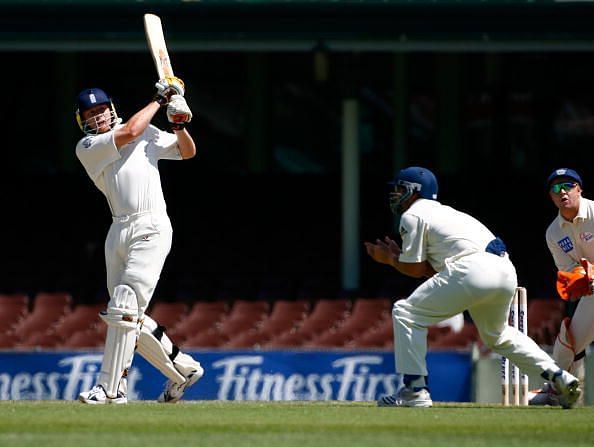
pixel 492 99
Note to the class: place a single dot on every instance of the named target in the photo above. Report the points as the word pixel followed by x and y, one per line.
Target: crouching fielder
pixel 570 238
pixel 468 268
pixel 121 159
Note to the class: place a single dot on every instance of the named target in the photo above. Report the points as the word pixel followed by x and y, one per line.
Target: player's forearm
pixel 185 143
pixel 136 124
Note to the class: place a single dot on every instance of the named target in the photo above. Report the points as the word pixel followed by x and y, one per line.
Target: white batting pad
pixel 158 349
pixel 122 333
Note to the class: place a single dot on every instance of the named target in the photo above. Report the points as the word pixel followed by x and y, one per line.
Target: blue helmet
pixel 415 180
pixel 88 99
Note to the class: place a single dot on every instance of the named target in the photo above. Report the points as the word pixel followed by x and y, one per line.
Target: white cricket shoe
pixel 175 391
pixel 407 397
pixel 97 396
pixel 567 388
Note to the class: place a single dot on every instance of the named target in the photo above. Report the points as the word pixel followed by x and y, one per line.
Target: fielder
pixel 121 159
pixel 468 268
pixel 570 238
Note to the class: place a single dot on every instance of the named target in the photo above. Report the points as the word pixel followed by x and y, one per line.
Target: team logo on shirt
pixel 586 236
pixel 565 244
pixel 87 142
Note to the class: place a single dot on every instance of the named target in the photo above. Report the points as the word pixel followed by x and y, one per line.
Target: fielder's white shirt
pixel 440 234
pixel 129 177
pixel 571 241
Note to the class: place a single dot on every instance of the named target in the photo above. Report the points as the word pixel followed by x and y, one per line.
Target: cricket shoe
pixel 567 388
pixel 175 391
pixel 407 397
pixel 97 396
pixel 545 396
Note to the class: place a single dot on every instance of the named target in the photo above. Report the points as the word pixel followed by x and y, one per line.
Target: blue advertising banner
pixel 238 375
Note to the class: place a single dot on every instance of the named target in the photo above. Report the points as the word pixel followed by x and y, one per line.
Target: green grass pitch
pixel 287 424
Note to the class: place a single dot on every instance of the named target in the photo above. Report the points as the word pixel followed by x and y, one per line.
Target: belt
pixel 127 217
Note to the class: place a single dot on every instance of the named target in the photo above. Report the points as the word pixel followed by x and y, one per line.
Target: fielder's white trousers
pixel 135 251
pixel 483 284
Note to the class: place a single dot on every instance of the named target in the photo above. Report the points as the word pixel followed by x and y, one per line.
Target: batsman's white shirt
pixel 140 237
pixel 129 177
pixel 568 243
pixel 467 278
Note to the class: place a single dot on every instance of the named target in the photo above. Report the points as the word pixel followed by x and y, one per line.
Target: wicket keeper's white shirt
pixel 440 234
pixel 129 178
pixel 571 241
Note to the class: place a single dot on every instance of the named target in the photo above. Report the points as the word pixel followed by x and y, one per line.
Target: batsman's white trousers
pixel 483 284
pixel 135 251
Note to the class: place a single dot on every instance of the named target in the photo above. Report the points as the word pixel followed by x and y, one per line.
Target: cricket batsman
pixel 121 160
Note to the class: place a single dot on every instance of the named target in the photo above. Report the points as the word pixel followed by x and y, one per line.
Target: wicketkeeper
pixel 570 238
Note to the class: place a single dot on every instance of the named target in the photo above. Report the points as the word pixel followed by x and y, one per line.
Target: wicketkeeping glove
pixel 178 112
pixel 577 283
pixel 167 87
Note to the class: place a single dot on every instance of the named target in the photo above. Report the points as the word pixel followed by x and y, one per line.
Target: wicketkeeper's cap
pixel 564 172
pixel 91 97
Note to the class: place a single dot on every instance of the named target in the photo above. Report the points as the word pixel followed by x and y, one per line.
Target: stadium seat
pixel 326 314
pixel 48 308
pixel 168 314
pixel 83 317
pixel 206 339
pixel 366 313
pixel 376 336
pixel 202 316
pixel 458 340
pixel 291 339
pixel 285 317
pixel 244 315
pixel 90 338
pixel 8 340
pixel 13 308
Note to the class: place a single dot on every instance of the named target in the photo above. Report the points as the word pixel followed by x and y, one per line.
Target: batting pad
pixel 122 333
pixel 158 349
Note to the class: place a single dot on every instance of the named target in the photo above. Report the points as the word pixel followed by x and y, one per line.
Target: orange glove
pixel 577 283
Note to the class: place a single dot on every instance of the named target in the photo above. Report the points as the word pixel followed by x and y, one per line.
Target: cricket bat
pixel 156 42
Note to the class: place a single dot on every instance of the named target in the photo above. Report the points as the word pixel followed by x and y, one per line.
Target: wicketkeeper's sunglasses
pixel 566 186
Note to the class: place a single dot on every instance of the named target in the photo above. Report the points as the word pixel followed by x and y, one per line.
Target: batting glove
pixel 167 87
pixel 178 112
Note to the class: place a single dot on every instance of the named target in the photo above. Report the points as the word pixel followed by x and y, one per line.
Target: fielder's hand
pixel 577 283
pixel 167 87
pixel 178 112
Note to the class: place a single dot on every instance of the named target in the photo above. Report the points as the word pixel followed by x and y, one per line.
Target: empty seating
pixel 83 317
pixel 90 338
pixel 13 308
pixel 458 340
pixel 168 314
pixel 285 316
pixel 244 315
pixel 48 308
pixel 202 316
pixel 366 313
pixel 378 336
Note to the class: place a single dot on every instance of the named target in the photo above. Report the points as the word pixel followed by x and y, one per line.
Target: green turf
pixel 286 424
